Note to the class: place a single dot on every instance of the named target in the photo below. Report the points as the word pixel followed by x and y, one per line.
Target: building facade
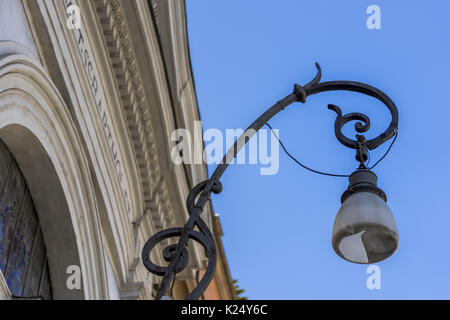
pixel 90 95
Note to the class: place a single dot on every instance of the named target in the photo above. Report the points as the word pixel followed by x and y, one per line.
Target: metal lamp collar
pixel 363 180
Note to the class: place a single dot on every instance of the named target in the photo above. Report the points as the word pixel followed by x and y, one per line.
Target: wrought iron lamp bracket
pixel 361 145
pixel 177 255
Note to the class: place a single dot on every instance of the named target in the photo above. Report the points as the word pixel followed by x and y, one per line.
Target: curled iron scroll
pixel 203 236
pixel 315 86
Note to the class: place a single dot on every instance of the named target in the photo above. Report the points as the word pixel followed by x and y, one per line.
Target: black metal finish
pixel 363 180
pixel 177 255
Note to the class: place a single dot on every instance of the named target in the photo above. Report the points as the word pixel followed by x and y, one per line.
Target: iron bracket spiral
pixel 177 255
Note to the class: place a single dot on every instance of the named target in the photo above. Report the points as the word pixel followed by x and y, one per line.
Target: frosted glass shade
pixel 365 230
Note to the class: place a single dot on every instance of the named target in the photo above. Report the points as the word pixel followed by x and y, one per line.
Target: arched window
pixel 23 257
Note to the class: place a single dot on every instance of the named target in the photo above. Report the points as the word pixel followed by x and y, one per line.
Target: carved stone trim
pixel 5 294
pixel 155 10
pixel 137 111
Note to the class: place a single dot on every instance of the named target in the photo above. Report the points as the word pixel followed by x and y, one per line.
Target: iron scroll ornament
pixel 177 255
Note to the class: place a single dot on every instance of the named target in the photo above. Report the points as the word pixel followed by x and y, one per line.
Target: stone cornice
pixel 136 109
pixel 129 65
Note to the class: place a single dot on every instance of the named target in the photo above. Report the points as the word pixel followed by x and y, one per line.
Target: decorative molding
pixel 131 290
pixel 136 109
pixel 38 128
pixel 155 10
pixel 5 294
pixel 157 201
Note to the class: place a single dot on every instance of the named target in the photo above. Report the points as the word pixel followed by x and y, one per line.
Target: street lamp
pixel 364 231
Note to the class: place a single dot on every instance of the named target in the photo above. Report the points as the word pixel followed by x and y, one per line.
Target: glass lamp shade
pixel 365 230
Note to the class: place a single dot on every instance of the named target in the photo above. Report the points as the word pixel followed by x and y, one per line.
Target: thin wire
pixel 331 174
pixel 173 283
pixel 368 160
pixel 389 149
pixel 302 165
pixel 173 280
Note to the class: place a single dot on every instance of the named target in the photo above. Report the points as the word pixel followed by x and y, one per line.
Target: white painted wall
pixel 14 25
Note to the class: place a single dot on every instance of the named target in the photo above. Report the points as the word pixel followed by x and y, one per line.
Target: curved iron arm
pixel 177 255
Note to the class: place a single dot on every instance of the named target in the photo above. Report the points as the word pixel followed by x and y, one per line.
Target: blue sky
pixel 246 55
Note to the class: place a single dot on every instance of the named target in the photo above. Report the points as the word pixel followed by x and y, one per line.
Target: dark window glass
pixel 23 259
